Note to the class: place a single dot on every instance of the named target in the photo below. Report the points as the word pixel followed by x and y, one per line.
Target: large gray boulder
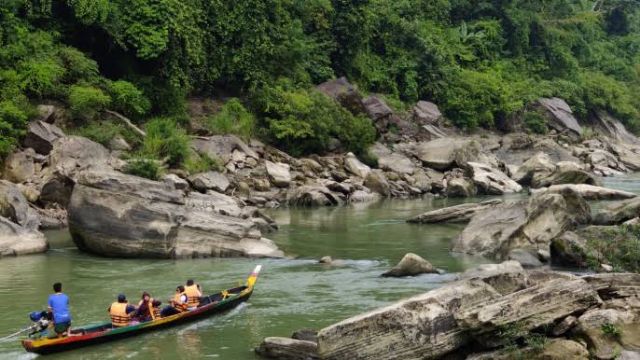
pixel 566 172
pixel 454 214
pixel 377 182
pixel 460 187
pixel 611 127
pixel 569 249
pixel 421 327
pixel 343 92
pixel 411 265
pixel 314 195
pixel 222 147
pixel 19 166
pixel 72 154
pixel 392 161
pixel 560 116
pixel 506 277
pixel 539 165
pixel 211 180
pixel 355 166
pixel 439 154
pixel 607 345
pixel 15 207
pixel 114 214
pixel 526 224
pixel 376 108
pixel 426 113
pixel 41 135
pixel 618 212
pixel 279 173
pixel 491 181
pixel 18 240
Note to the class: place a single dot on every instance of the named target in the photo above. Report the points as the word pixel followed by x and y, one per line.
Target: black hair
pixel 180 288
pixel 189 282
pixel 57 287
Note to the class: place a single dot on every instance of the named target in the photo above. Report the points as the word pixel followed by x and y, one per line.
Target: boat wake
pixel 212 321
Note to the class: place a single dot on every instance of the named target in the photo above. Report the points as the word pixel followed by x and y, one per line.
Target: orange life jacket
pixel 193 295
pixel 119 316
pixel 178 304
pixel 154 312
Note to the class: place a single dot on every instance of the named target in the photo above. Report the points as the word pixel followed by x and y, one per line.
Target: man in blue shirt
pixel 59 307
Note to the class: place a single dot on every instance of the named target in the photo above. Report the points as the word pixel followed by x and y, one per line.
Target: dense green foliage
pixel 482 61
pixel 143 167
pixel 167 141
pixel 233 118
pixel 619 247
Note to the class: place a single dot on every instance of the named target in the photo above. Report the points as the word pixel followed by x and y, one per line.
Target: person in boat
pixel 148 308
pixel 121 312
pixel 193 292
pixel 179 303
pixel 58 305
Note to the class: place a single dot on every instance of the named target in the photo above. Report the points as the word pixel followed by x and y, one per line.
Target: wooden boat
pixel 101 333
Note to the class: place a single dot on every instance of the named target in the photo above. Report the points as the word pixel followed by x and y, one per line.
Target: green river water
pixel 290 294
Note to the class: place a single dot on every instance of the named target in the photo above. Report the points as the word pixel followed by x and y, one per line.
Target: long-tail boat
pixel 101 333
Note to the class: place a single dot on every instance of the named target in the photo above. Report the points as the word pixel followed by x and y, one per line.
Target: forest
pixel 481 61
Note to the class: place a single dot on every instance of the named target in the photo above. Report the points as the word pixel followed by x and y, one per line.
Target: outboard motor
pixel 41 321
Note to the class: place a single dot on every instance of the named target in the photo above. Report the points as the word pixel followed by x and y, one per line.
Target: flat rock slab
pixel 589 192
pixel 287 349
pixel 457 213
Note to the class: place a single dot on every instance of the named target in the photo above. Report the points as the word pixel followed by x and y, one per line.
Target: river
pixel 290 294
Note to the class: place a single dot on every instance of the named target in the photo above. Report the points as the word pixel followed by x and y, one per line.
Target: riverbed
pixel 290 294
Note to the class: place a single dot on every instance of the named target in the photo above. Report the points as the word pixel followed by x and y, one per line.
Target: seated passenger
pixel 121 312
pixel 148 308
pixel 178 303
pixel 193 292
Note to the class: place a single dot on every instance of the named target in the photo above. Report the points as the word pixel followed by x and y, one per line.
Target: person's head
pixel 180 289
pixel 122 298
pixel 146 296
pixel 189 282
pixel 57 287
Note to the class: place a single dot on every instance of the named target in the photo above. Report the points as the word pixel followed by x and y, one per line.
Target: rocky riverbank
pixel 417 155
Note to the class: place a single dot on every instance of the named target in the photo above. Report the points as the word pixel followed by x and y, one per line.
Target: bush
pixel 12 123
pixel 233 118
pixel 102 132
pixel 78 66
pixel 305 121
pixel 146 168
pixel 619 247
pixel 611 330
pixel 41 77
pixel 128 99
pixel 166 140
pixel 535 122
pixel 196 164
pixel 86 101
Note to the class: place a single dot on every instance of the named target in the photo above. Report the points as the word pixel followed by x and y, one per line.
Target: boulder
pixel 278 173
pixel 175 182
pixel 588 192
pixel 355 166
pixel 19 166
pixel 526 224
pixel 396 162
pixel 411 265
pixel 439 154
pixel 539 165
pixel 456 213
pixel 628 155
pixel 611 127
pixel 119 144
pixel 118 215
pixel 313 195
pixel 72 154
pixel 41 135
pixel 474 151
pixel 222 147
pixel 528 309
pixel 56 189
pixel 491 181
pixel 506 277
pixel 460 187
pixel 376 181
pixel 598 327
pixel 425 113
pixel 525 257
pixel 14 206
pixel 564 326
pixel 618 212
pixel 376 108
pixel 361 196
pixel 18 240
pixel 615 286
pixel 569 249
pixel 46 113
pixel 421 327
pixel 566 172
pixel 560 116
pixel 211 180
pixel 344 92
pixel 287 349
pixel 553 349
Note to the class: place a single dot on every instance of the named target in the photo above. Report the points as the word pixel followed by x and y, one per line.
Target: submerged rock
pixel 120 215
pixel 456 213
pixel 411 265
pixel 287 349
